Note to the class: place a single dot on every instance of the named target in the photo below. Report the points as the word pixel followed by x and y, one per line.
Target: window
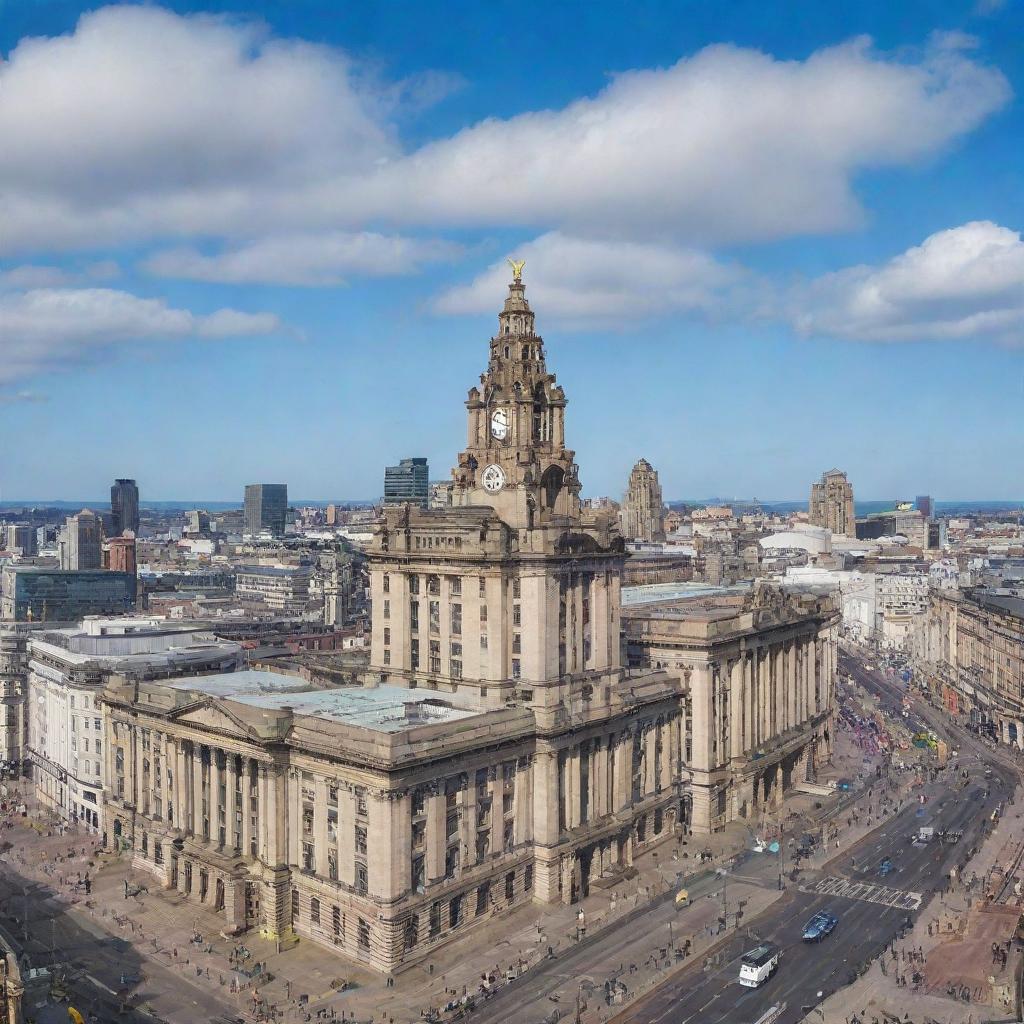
pixel 414 654
pixel 517 616
pixel 528 878
pixel 481 846
pixel 307 857
pixel 360 800
pixel 386 584
pixel 435 616
pixel 314 911
pixel 362 880
pixel 387 655
pixel 452 826
pixel 515 668
pixel 360 840
pixel 515 587
pixel 483 641
pixel 433 584
pixel 332 865
pixel 96 723
pixel 158 853
pixel 435 918
pixel 455 911
pixel 419 874
pixel 387 635
pixel 483 897
pixel 507 837
pixel 414 615
pixel 517 643
pixel 456 669
pixel 411 931
pixel 419 834
pixel 336 922
pixel 510 886
pixel 455 585
pixel 456 620
pixel 435 656
pixel 506 803
pixel 451 861
pixel 483 586
pixel 364 934
pixel 295 904
pixel 483 613
pixel 414 584
pixel 387 609
pixel 419 798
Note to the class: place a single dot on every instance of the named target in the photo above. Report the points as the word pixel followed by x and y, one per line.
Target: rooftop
pixel 381 708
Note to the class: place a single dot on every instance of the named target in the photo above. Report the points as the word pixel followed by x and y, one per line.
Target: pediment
pixel 212 715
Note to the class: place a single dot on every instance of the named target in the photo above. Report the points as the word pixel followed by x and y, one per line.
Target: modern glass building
pixel 124 506
pixel 408 481
pixel 266 508
pixel 37 593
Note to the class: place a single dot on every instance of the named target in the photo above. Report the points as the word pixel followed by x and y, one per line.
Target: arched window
pixel 551 485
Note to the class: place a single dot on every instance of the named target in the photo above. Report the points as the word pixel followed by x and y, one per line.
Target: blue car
pixel 886 867
pixel 819 926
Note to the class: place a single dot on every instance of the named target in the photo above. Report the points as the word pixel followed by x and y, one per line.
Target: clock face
pixel 499 424
pixel 493 479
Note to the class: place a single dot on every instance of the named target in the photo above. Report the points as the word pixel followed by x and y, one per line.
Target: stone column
pixel 436 838
pixel 521 807
pixel 320 827
pixel 650 759
pixel 572 788
pixel 216 775
pixel 347 837
pixel 624 771
pixel 197 791
pixel 497 791
pixel 231 808
pixel 293 788
pixel 388 862
pixel 278 825
pixel 247 806
pixel 545 825
pixel 263 825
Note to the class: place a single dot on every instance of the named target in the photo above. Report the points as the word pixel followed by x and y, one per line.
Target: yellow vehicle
pixel 683 898
pixel 76 1017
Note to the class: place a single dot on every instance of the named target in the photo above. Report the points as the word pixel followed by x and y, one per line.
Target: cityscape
pixel 529 716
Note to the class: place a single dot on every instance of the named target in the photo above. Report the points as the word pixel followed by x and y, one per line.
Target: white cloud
pixel 313 259
pixel 963 283
pixel 582 282
pixel 21 397
pixel 143 125
pixel 50 329
pixel 31 275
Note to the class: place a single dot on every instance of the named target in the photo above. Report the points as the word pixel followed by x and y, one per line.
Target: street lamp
pixel 724 875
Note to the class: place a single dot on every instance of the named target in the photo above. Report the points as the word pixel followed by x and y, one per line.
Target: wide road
pixel 865 927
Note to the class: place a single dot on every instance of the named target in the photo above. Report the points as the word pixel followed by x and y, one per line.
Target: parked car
pixel 886 867
pixel 819 926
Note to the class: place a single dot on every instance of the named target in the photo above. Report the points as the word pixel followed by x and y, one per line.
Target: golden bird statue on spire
pixel 517 267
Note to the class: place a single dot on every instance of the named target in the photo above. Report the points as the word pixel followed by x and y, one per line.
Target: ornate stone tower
pixel 831 504
pixel 643 510
pixel 515 458
pixel 513 591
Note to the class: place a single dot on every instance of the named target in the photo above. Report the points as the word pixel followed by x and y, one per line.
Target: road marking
pixel 868 892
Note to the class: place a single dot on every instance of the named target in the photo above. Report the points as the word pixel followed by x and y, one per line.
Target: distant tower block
pixel 831 504
pixel 643 513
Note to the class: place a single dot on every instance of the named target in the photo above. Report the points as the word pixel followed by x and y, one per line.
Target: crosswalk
pixel 832 886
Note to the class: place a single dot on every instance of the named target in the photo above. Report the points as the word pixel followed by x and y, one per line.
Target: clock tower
pixel 515 458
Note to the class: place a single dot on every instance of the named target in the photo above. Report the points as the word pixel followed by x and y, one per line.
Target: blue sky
pixel 243 242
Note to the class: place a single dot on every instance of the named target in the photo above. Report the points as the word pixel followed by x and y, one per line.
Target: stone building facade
pixel 758 691
pixel 831 504
pixel 13 725
pixel 970 644
pixel 643 509
pixel 497 753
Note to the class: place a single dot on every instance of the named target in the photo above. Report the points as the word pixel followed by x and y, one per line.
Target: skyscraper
pixel 119 553
pixel 831 504
pixel 924 505
pixel 643 510
pixel 266 508
pixel 408 481
pixel 82 548
pixel 124 506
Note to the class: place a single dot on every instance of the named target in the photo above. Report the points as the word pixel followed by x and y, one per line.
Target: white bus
pixel 757 966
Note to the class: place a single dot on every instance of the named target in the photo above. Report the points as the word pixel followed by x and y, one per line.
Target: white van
pixel 757 966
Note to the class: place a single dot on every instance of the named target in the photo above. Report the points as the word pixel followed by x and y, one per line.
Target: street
pixel 807 972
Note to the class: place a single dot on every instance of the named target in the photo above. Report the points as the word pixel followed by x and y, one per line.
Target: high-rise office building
pixel 831 504
pixel 266 508
pixel 124 507
pixel 21 539
pixel 924 505
pixel 408 481
pixel 82 542
pixel 643 508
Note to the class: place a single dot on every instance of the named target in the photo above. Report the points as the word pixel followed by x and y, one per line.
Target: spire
pixel 516 318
